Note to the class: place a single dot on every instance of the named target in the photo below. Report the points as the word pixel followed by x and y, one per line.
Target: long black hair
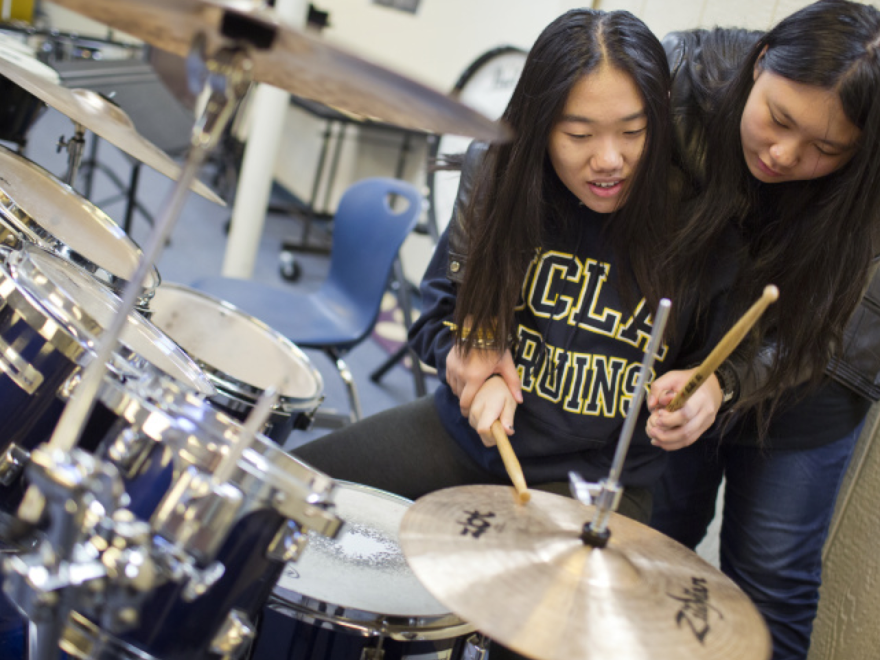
pixel 518 191
pixel 811 238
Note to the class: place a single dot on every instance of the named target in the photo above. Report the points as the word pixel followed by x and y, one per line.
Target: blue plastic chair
pixel 341 313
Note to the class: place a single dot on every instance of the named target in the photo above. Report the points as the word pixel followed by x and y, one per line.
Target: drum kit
pixel 147 509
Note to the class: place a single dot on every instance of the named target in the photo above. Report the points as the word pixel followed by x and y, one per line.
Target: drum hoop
pixel 26 224
pixel 60 334
pixel 285 407
pixel 372 624
pixel 82 638
pixel 235 387
pixel 130 403
pixel 66 308
pixel 263 463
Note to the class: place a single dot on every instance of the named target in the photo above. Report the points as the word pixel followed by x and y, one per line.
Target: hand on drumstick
pixel 675 430
pixel 466 375
pixel 688 409
pixel 492 417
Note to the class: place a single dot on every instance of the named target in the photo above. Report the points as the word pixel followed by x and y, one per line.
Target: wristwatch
pixel 729 384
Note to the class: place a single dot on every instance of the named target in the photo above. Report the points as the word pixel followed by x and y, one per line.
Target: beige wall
pixel 849 606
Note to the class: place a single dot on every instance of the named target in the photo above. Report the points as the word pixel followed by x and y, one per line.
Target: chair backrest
pixel 367 235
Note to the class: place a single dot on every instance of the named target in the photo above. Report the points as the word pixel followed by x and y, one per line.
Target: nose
pixel 607 157
pixel 784 154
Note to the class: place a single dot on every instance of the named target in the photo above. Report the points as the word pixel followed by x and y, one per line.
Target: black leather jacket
pixel 457 236
pixel 857 363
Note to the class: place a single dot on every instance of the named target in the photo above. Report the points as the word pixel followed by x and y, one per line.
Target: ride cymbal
pixel 522 575
pixel 291 60
pixel 95 113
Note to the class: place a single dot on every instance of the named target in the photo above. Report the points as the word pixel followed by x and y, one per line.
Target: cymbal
pixel 521 575
pixel 103 118
pixel 295 61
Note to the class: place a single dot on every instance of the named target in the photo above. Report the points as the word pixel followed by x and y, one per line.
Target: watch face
pixel 486 85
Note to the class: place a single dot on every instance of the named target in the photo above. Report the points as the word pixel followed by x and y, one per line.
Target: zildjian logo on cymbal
pixel 695 608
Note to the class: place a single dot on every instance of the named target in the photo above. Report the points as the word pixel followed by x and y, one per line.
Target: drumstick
pixel 511 464
pixel 725 347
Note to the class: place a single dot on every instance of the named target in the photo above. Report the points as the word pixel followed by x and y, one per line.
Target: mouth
pixel 606 188
pixel 766 169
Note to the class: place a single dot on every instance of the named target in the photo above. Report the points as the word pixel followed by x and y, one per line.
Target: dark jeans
pixel 777 509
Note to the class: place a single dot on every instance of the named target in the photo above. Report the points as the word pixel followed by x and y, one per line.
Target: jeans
pixel 777 509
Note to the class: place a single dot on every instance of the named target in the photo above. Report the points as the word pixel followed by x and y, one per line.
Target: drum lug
pixel 475 648
pixel 377 653
pixel 288 543
pixel 128 451
pixel 18 369
pixel 12 463
pixel 235 636
pixel 197 514
pixel 304 422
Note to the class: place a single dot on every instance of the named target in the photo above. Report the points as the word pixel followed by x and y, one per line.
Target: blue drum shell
pixel 173 629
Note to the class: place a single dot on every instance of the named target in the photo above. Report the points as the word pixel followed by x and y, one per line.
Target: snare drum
pixel 354 597
pixel 248 525
pixel 241 356
pixel 51 316
pixel 36 207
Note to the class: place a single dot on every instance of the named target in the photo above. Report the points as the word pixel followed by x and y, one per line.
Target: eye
pixel 776 121
pixel 824 152
pixel 636 131
pixel 578 136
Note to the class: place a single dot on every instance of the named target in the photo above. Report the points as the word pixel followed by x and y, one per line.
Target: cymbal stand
pixel 75 147
pixel 606 494
pixel 228 75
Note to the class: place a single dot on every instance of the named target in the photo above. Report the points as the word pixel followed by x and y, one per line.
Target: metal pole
pixel 254 185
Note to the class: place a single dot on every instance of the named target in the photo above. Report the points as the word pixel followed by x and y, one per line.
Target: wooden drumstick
pixel 725 347
pixel 511 464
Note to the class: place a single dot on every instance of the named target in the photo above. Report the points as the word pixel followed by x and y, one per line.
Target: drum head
pixel 53 215
pixel 363 568
pixel 240 354
pixel 486 85
pixel 85 307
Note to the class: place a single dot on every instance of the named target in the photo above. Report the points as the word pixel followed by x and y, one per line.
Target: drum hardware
pixel 292 60
pixel 38 208
pixel 234 637
pixel 524 576
pixel 13 462
pixel 540 580
pixel 96 557
pixel 89 110
pixel 74 147
pixel 606 494
pixel 354 598
pixel 242 357
pixel 227 78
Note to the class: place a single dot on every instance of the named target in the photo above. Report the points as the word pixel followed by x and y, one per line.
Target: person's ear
pixel 756 70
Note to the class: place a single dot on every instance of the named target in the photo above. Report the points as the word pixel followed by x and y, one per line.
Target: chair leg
pixel 356 412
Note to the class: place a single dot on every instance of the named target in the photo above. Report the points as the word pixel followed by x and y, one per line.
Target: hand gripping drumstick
pixel 511 464
pixel 725 347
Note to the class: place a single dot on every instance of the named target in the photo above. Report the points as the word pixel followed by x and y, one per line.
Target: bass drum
pixel 486 85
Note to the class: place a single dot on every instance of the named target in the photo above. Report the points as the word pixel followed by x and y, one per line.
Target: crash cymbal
pixel 292 60
pixel 103 118
pixel 521 575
